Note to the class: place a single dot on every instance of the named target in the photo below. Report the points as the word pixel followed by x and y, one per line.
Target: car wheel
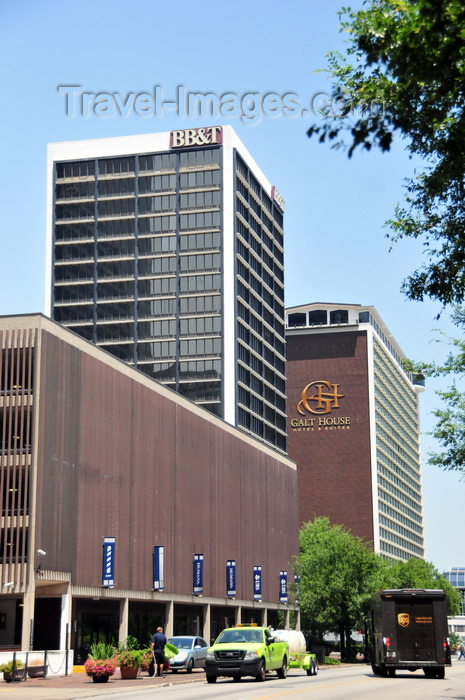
pixel 173 670
pixel 211 679
pixel 282 672
pixel 190 666
pixel 261 675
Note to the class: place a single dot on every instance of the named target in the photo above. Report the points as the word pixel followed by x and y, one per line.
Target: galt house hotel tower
pixel 166 250
pixel 353 423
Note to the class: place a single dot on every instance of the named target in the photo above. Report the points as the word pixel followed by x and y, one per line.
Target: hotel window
pixel 318 317
pixel 339 316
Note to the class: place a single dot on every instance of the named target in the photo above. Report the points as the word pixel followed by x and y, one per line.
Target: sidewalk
pixel 79 685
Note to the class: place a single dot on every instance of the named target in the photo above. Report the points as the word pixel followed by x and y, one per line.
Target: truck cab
pixel 246 650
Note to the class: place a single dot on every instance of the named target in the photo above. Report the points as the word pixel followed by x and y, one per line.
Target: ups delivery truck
pixel 407 630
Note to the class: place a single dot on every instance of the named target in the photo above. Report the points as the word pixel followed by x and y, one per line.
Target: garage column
pixel 169 619
pixel 27 631
pixel 207 623
pixel 123 619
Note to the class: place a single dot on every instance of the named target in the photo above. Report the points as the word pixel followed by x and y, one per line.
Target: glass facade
pixel 398 459
pixel 261 383
pixel 138 262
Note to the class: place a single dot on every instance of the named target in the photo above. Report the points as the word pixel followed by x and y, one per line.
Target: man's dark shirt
pixel 158 641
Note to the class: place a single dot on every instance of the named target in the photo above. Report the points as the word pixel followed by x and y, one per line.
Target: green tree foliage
pixel 416 573
pixel 404 72
pixel 338 574
pixel 449 430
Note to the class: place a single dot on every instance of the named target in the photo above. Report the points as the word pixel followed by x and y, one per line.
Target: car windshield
pixel 238 636
pixel 181 642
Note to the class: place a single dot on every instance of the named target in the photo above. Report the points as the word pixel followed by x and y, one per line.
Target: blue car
pixel 191 654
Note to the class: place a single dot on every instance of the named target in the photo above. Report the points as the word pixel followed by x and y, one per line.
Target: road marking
pixel 306 689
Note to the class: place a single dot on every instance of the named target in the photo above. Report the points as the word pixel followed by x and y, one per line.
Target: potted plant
pixel 36 668
pixel 18 673
pixel 100 670
pixel 101 663
pixel 129 657
pixel 147 664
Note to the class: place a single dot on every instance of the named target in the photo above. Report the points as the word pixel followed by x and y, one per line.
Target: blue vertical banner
pixel 198 574
pixel 231 578
pixel 257 583
pixel 158 568
pixel 108 564
pixel 297 589
pixel 283 586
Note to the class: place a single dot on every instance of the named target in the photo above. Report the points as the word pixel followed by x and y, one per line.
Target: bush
pixel 8 667
pixel 330 661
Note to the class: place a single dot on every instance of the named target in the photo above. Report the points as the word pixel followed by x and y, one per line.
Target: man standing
pixel 158 650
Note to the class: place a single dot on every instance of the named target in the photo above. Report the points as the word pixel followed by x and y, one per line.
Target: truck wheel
pixel 211 679
pixel 376 669
pixel 441 672
pixel 282 672
pixel 383 670
pixel 391 672
pixel 261 675
pixel 236 679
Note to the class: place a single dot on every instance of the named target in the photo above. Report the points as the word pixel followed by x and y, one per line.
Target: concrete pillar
pixel 297 619
pixel 265 617
pixel 206 622
pixel 28 616
pixel 286 619
pixel 238 615
pixel 169 618
pixel 123 619
pixel 65 618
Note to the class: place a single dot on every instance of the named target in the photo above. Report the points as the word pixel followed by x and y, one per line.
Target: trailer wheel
pixel 315 667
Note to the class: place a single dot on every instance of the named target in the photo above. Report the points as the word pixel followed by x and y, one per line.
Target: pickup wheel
pixel 261 675
pixel 211 679
pixel 282 672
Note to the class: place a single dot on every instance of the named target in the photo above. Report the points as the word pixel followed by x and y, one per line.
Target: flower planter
pixel 18 675
pixel 129 672
pixel 36 671
pixel 100 677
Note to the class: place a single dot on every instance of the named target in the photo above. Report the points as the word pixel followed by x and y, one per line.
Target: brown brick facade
pixel 333 461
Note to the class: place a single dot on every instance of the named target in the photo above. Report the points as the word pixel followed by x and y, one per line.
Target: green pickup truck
pixel 246 651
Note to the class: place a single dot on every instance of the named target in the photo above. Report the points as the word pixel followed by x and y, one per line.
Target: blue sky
pixel 336 246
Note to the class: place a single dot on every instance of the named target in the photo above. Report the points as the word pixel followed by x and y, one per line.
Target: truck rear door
pixel 415 631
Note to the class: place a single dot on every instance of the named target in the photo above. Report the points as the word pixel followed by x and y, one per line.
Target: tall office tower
pixel 354 426
pixel 166 250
